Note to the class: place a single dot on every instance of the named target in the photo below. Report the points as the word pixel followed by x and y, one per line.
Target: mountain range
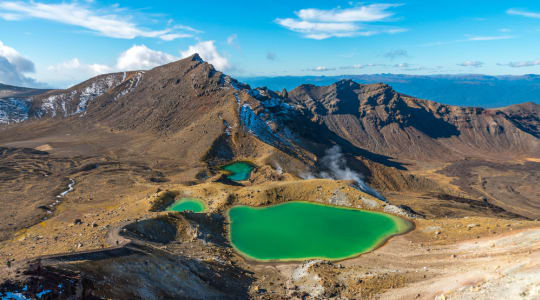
pixel 462 89
pixel 372 117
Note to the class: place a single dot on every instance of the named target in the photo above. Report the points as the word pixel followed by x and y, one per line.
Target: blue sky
pixel 60 43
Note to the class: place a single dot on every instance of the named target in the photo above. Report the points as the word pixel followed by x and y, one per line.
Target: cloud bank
pixel 522 64
pixel 138 57
pixel 471 63
pixel 14 68
pixel 208 51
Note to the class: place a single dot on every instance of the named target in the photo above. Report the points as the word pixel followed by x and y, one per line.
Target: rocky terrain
pixel 88 171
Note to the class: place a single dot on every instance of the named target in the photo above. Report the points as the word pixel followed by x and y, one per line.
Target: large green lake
pixel 302 230
pixel 185 204
pixel 239 171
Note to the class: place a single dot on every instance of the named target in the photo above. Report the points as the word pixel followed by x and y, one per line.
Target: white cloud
pixel 362 66
pixel 174 36
pixel 402 66
pixel 410 67
pixel 14 68
pixel 470 38
pixel 140 57
pixel 368 13
pixel 232 38
pixel 208 51
pixel 505 30
pixel 321 69
pixel 73 70
pixel 97 20
pixel 319 30
pixel 523 13
pixel 471 63
pixel 396 53
pixel 320 24
pixel 489 38
pixel 522 64
pixel 10 16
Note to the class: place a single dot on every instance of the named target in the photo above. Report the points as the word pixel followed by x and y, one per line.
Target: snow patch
pixel 133 83
pixel 14 110
pixel 59 103
pixel 70 188
pixel 259 127
pixel 96 89
pixel 227 127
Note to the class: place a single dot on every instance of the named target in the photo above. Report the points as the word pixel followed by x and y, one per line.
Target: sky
pixel 60 43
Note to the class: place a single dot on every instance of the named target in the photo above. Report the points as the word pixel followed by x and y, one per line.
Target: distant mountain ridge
pixel 16 91
pixel 462 90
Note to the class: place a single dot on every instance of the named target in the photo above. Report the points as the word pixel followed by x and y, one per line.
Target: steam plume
pixel 335 166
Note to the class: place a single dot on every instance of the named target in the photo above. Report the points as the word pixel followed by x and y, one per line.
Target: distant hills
pixel 463 90
pixel 15 91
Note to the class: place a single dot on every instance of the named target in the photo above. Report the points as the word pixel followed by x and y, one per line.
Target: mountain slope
pixel 15 103
pixel 377 118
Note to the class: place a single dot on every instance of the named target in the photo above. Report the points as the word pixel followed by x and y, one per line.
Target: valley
pixel 135 143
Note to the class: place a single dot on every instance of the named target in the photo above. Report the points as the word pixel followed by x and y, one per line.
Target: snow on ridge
pixel 59 103
pixel 230 82
pixel 267 125
pixel 261 127
pixel 14 110
pixel 227 127
pixel 133 83
pixel 48 104
pixel 96 89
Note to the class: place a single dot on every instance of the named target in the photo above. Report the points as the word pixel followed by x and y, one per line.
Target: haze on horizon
pixel 57 44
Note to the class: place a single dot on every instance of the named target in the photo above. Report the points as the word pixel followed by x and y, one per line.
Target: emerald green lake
pixel 302 230
pixel 239 171
pixel 184 204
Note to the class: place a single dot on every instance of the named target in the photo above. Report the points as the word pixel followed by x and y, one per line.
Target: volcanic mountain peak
pixel 344 97
pixel 195 57
pixel 193 71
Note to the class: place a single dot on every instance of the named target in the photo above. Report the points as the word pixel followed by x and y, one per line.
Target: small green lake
pixel 302 230
pixel 239 171
pixel 185 204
